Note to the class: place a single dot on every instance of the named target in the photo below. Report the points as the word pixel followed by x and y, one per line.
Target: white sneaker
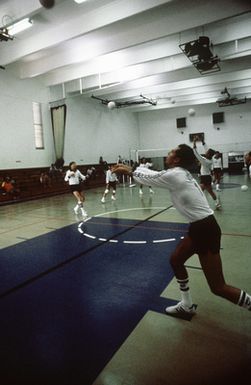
pixel 132 185
pixel 76 208
pixel 113 198
pixel 140 192
pixel 217 206
pixel 84 213
pixel 181 309
pixel 103 200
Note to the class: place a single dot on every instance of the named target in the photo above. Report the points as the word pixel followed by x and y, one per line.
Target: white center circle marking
pixel 130 242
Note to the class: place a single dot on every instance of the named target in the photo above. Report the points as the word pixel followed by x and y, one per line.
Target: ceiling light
pixel 19 26
pixel 79 1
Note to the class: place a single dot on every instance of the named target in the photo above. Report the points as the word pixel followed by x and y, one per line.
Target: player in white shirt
pixel 73 176
pixel 248 162
pixel 144 164
pixel 205 170
pixel 111 182
pixel 204 233
pixel 217 169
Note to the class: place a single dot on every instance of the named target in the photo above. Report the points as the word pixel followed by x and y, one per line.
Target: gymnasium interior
pixel 97 82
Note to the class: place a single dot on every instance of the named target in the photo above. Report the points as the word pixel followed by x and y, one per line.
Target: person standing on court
pixel 217 169
pixel 204 234
pixel 73 176
pixel 111 182
pixel 248 162
pixel 205 170
pixel 144 164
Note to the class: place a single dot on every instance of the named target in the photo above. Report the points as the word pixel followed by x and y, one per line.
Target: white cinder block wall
pixel 17 144
pixel 157 129
pixel 92 130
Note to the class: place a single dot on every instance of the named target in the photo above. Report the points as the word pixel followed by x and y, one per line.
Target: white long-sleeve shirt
pixel 75 178
pixel 110 176
pixel 186 194
pixel 146 165
pixel 217 163
pixel 206 164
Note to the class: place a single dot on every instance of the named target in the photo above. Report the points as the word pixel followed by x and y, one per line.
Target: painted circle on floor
pixel 130 242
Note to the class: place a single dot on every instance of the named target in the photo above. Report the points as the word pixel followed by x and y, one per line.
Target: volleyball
pixel 244 187
pixel 111 105
pixel 191 112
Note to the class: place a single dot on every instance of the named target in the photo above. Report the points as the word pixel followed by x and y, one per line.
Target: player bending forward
pixel 204 233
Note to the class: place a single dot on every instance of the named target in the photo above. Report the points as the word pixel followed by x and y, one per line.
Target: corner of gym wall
pixel 17 149
pixel 92 130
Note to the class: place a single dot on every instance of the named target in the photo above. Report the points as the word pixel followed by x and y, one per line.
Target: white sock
pixel 245 300
pixel 217 186
pixel 80 204
pixel 185 292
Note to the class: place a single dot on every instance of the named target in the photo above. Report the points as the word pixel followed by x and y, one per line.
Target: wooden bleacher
pixel 29 186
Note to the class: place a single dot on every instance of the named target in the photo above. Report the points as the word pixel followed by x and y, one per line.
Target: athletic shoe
pixel 217 206
pixel 151 191
pixel 132 185
pixel 103 200
pixel 181 309
pixel 140 192
pixel 76 208
pixel 218 189
pixel 113 198
pixel 84 213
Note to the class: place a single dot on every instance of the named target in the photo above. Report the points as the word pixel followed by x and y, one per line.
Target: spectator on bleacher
pixel 9 187
pixel 52 171
pixel 44 179
pixel 104 164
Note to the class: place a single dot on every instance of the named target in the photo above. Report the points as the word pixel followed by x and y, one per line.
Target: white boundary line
pixel 139 242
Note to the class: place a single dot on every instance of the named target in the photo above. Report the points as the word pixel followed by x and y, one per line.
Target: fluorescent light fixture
pixel 79 1
pixel 19 26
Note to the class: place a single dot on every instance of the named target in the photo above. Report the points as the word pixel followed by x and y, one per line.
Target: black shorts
pixel 205 235
pixel 217 169
pixel 75 187
pixel 112 185
pixel 206 180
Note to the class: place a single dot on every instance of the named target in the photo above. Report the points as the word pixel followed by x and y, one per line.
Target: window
pixel 218 117
pixel 38 126
pixel 181 122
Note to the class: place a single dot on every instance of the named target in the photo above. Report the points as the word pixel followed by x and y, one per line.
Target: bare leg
pixel 212 268
pixel 79 196
pixel 210 191
pixel 182 253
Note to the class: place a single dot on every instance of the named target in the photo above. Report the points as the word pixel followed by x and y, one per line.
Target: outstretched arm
pixel 148 177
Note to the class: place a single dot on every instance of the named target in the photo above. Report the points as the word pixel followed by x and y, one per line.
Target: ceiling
pixel 120 49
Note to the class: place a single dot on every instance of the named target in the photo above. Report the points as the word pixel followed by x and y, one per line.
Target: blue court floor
pixel 82 302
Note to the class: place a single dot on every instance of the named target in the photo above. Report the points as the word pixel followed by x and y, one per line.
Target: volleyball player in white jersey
pixel 217 169
pixel 204 233
pixel 248 162
pixel 111 182
pixel 145 164
pixel 73 176
pixel 205 170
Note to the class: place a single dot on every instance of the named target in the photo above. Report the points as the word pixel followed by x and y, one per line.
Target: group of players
pixel 204 234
